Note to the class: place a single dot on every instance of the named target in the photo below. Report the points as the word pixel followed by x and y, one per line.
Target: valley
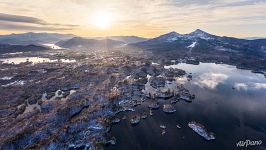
pixel 84 92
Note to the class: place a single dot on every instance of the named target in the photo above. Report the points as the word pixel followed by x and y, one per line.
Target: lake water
pixel 229 102
pixel 53 46
pixel 34 60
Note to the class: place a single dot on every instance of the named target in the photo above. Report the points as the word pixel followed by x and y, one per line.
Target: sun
pixel 102 20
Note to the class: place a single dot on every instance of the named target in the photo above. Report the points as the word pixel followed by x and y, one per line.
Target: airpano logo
pixel 248 143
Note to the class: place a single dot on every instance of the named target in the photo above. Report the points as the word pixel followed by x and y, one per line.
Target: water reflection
pixel 250 86
pixel 210 80
pixel 232 114
pixel 18 60
pixel 53 46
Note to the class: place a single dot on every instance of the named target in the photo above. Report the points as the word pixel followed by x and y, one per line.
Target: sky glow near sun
pixel 148 18
pixel 102 20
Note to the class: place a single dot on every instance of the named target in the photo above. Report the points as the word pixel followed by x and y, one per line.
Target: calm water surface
pixel 229 102
pixel 34 60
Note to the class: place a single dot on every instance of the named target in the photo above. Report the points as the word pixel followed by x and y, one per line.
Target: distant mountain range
pixel 90 44
pixel 196 41
pixel 51 38
pixel 100 42
pixel 5 48
pixel 254 38
pixel 127 39
pixel 202 42
pixel 124 39
pixel 33 38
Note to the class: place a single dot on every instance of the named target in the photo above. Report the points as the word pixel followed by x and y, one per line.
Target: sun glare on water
pixel 102 20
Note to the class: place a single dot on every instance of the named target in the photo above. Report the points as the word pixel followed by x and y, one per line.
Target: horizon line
pixel 241 37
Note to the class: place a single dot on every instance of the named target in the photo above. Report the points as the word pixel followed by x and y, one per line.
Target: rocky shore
pixel 55 104
pixel 71 99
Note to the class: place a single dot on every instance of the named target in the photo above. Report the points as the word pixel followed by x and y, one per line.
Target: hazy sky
pixel 239 18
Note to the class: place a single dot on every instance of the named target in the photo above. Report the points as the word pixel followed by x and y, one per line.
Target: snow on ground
pixel 6 78
pixel 192 45
pixel 15 83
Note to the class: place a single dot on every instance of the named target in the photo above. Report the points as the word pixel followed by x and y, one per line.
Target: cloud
pixel 211 80
pixel 24 19
pixel 241 86
pixel 18 22
pixel 27 19
pixel 241 3
pixel 239 18
pixel 260 85
pixel 248 86
pixel 26 27
pixel 214 3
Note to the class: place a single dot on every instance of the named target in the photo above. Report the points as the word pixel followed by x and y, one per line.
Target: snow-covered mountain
pixel 174 36
pixel 169 37
pixel 199 40
pixel 200 34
